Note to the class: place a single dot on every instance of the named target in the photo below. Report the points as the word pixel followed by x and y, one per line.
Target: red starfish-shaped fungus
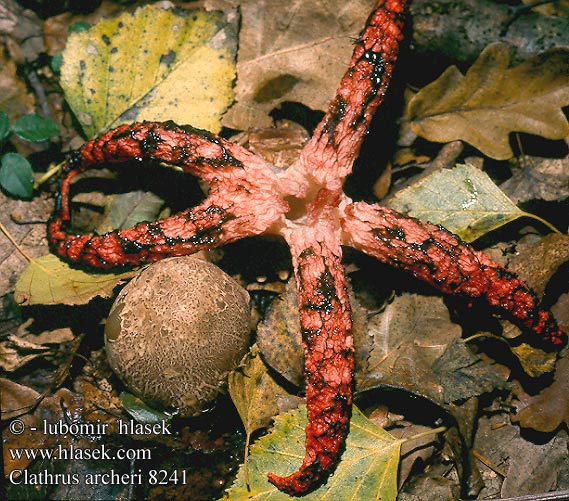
pixel 306 206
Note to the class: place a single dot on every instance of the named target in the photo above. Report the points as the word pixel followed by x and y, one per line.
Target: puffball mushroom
pixel 176 330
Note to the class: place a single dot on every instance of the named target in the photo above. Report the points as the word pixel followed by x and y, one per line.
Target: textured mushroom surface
pixel 176 330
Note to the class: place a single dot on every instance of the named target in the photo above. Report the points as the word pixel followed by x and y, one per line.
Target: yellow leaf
pixel 367 470
pixel 253 392
pixel 48 280
pixel 492 100
pixel 153 64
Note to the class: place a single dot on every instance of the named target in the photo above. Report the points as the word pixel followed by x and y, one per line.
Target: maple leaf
pixel 492 100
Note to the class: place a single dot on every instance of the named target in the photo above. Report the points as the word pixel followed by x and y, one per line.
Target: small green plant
pixel 15 171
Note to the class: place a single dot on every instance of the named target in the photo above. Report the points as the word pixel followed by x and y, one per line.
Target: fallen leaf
pixel 462 374
pixel 140 411
pixel 126 209
pixel 409 335
pixel 17 400
pixel 534 258
pixel 154 64
pixel 488 103
pixel 367 470
pixel 280 145
pixel 534 362
pixel 294 54
pixel 547 410
pixel 49 280
pixel 14 357
pixel 539 178
pixel 15 100
pixel 464 200
pixel 530 467
pixel 254 392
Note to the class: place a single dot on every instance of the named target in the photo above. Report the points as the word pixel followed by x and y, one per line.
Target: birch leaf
pixel 49 280
pixel 488 103
pixel 367 470
pixel 153 64
pixel 464 200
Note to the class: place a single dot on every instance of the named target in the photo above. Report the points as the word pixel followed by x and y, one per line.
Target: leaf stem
pixel 543 221
pixel 56 169
pixel 436 431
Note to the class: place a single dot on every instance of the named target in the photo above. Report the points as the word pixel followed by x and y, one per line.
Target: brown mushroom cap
pixel 176 330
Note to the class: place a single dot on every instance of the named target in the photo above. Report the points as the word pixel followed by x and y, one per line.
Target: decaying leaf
pixel 539 178
pixel 538 258
pixel 546 411
pixel 463 374
pixel 409 336
pixel 367 470
pixel 464 200
pixel 154 64
pixel 15 101
pixel 17 400
pixel 294 54
pixel 23 346
pixel 529 467
pixel 488 103
pixel 49 280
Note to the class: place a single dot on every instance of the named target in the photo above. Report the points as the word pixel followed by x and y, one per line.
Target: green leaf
pixel 140 411
pixel 16 175
pixel 464 200
pixel 32 127
pixel 4 126
pixel 49 280
pixel 127 209
pixel 56 62
pixel 153 64
pixel 488 103
pixel 78 27
pixel 367 470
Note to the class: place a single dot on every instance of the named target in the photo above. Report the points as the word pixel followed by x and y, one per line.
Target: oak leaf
pixel 488 103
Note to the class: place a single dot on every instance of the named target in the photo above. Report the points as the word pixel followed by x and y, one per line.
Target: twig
pixel 546 496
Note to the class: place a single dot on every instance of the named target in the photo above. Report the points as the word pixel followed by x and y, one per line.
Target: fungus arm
pixel 243 199
pixel 436 256
pixel 331 151
pixel 326 328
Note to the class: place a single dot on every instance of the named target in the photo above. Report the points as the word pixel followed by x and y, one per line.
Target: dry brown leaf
pixel 530 467
pixel 297 53
pixel 536 258
pixel 409 335
pixel 540 178
pixel 492 100
pixel 550 408
pixel 16 400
